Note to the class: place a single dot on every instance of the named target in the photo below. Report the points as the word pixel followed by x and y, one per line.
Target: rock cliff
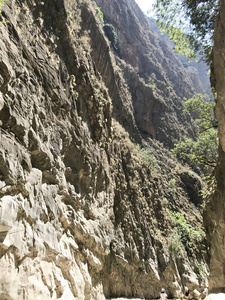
pixel 92 204
pixel 214 213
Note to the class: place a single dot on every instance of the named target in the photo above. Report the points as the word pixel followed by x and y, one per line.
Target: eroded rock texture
pixel 84 213
pixel 215 210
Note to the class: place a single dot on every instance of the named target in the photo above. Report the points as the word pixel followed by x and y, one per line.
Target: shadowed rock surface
pixel 214 216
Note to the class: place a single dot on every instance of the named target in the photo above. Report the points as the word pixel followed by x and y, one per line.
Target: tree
pixel 203 150
pixel 204 110
pixel 189 23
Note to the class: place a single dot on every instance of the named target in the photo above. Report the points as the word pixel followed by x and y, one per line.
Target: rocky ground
pixel 133 299
pixel 220 296
pixel 129 299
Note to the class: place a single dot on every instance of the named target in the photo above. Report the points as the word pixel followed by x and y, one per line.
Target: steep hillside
pixel 93 205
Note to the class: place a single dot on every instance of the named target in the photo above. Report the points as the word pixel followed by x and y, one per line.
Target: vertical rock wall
pixel 53 121
pixel 215 210
pixel 84 213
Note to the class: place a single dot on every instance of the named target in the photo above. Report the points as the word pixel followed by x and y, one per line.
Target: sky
pixel 145 5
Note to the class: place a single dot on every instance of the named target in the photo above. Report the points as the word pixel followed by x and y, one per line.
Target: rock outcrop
pixel 92 204
pixel 215 213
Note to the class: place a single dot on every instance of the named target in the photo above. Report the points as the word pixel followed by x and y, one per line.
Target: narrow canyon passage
pixel 94 200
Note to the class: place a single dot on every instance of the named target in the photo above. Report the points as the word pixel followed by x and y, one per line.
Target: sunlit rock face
pixel 84 213
pixel 215 210
pixel 51 162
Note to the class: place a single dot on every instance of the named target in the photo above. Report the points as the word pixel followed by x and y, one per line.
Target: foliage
pixel 205 109
pixel 151 80
pixel 147 156
pixel 99 12
pixel 210 181
pixel 175 245
pixel 199 268
pixel 189 23
pixel 203 150
pixel 112 36
pixel 181 40
pixel 2 2
pixel 189 235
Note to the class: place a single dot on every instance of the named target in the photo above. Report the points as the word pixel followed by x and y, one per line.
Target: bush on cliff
pixel 201 151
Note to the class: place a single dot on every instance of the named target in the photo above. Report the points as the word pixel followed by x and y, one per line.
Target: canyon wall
pixel 214 216
pixel 91 197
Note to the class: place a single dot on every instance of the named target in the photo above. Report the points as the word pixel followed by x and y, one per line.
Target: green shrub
pixel 203 150
pixel 175 245
pixel 147 156
pixel 151 80
pixel 99 12
pixel 190 236
pixel 200 269
pixel 2 2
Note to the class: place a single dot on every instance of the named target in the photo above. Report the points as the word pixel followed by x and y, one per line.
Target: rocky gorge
pixel 92 203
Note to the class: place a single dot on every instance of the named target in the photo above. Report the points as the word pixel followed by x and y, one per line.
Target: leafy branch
pixel 204 109
pixel 189 23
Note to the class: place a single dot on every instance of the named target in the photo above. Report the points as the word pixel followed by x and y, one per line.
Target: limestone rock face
pixel 84 212
pixel 215 210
